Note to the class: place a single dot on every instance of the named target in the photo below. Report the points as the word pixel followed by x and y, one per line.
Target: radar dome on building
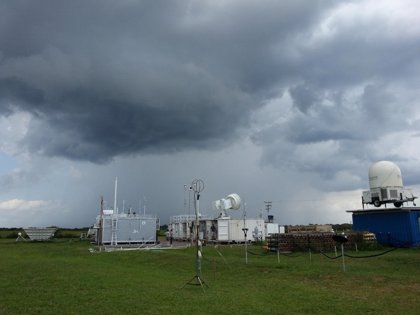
pixel 385 174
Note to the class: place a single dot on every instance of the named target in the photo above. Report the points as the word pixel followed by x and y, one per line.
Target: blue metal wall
pixel 396 228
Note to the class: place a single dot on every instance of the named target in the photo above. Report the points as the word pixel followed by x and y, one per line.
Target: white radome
pixel 385 174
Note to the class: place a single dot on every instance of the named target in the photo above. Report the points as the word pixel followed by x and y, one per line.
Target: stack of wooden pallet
pixel 301 241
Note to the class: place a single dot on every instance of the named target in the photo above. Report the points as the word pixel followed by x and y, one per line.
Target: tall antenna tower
pixel 115 196
pixel 268 205
pixel 197 186
pixel 185 199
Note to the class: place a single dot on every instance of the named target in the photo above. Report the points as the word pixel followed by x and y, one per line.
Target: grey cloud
pixel 381 106
pixel 17 179
pixel 127 129
pixel 303 97
pixel 15 90
pixel 156 76
pixel 339 133
pixel 131 77
pixel 322 88
pixel 357 53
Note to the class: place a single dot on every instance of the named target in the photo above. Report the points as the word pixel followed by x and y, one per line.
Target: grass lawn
pixel 64 277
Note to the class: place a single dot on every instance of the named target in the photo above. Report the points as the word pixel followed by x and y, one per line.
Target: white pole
pixel 115 196
pixel 342 255
pixel 245 234
pixel 185 198
pixel 189 201
pixel 197 211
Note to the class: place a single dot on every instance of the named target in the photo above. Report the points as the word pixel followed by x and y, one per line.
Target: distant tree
pixel 13 234
pixel 342 227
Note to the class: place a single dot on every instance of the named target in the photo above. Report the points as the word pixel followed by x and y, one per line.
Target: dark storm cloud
pixel 14 90
pixel 127 129
pixel 108 78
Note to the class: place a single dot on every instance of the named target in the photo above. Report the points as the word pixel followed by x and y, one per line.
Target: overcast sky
pixel 282 101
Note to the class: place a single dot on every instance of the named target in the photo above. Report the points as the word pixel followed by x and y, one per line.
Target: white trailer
pixel 395 195
pixel 271 228
pixel 223 230
pixel 386 186
pixel 181 226
pixel 231 230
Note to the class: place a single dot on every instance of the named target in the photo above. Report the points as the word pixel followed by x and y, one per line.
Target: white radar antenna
pixel 231 202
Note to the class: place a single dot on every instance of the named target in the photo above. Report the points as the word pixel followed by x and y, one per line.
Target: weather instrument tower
pixel 197 186
pixel 268 205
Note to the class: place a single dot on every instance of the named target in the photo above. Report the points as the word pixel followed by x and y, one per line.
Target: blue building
pixel 399 227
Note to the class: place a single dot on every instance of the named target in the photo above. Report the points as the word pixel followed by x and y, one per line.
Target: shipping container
pixel 397 227
pixel 231 230
pixel 128 229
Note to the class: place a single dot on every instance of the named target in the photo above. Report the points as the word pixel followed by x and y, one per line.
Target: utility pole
pixel 185 199
pixel 268 205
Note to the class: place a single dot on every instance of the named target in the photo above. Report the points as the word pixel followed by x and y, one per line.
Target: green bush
pixel 13 234
pixel 10 232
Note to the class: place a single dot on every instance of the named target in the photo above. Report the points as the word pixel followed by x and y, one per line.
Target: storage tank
pixel 385 174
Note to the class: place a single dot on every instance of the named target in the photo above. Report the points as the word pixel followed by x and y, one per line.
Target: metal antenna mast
pixel 115 196
pixel 268 205
pixel 245 230
pixel 185 198
pixel 197 186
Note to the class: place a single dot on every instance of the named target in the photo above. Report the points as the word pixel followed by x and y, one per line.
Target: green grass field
pixel 64 277
pixel 12 233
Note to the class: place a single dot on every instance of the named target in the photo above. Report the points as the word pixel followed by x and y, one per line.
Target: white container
pixel 271 228
pixel 230 230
